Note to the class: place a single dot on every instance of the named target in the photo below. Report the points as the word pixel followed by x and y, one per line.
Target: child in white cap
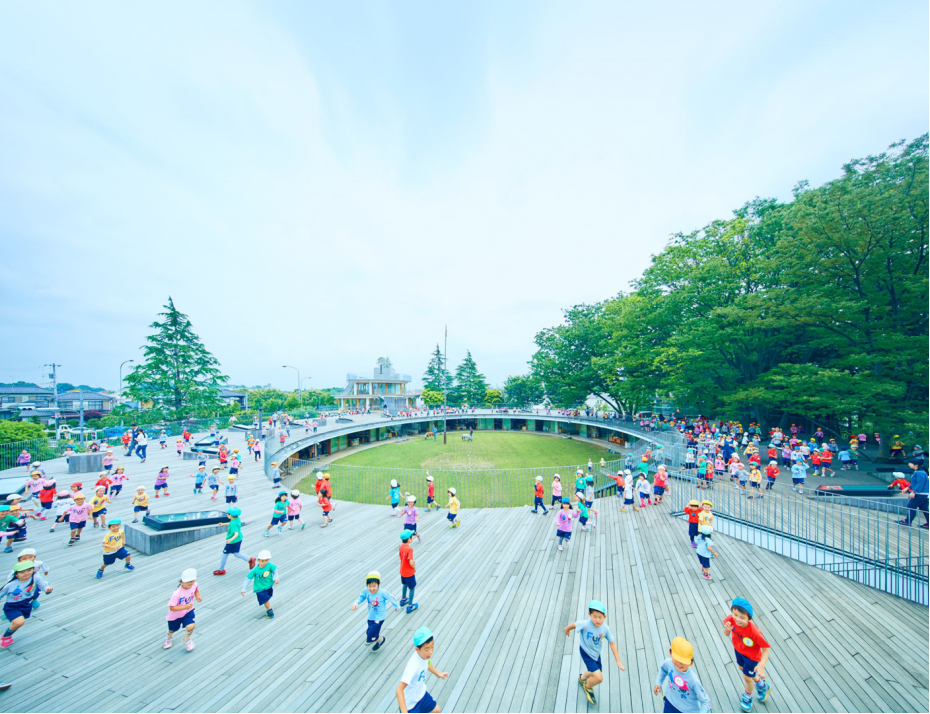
pixel 181 609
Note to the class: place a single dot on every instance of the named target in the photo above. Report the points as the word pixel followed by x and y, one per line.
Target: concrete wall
pixel 148 541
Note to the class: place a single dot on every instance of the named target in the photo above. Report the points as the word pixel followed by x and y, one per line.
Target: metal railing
pixel 831 536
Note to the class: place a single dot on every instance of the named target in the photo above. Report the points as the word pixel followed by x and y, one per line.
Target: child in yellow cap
pixel 684 692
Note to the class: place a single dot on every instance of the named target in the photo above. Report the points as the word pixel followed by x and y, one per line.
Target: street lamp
pixel 120 395
pixel 301 384
pixel 287 366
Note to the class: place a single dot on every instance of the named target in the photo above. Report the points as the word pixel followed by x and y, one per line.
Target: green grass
pixel 496 469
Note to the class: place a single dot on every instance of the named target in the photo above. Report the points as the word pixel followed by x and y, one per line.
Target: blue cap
pixel 566 499
pixel 742 603
pixel 407 535
pixel 421 636
pixel 597 605
pixel 234 512
pixel 114 522
pixel 590 478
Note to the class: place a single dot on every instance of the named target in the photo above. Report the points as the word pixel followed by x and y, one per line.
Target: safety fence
pixel 852 539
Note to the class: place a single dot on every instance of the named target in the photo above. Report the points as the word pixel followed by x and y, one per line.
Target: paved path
pixel 496 592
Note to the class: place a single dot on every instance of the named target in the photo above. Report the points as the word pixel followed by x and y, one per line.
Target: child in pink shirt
pixel 77 517
pixel 293 511
pixel 181 609
pixel 564 520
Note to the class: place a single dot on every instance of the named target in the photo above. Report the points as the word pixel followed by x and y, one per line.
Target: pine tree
pixel 178 373
pixel 470 384
pixel 436 374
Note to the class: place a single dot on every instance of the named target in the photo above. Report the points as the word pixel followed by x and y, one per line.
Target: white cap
pixel 411 498
pixel 26 551
pixel 188 575
pixel 558 477
pixel 452 491
pixel 36 463
pixel 319 476
pixel 264 555
pixel 430 478
pixel 539 478
pixel 393 483
pixel 627 472
pixel 295 493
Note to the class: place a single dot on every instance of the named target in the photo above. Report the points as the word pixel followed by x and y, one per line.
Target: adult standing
pixel 143 443
pixel 133 439
pixel 919 496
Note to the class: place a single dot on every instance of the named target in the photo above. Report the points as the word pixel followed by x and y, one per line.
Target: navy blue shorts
pixel 233 470
pixel 429 499
pixel 12 610
pixel 374 630
pixel 115 489
pixel 658 490
pixel 46 505
pixel 451 516
pixel 627 501
pixel 692 529
pixel 231 499
pixel 705 562
pixel 583 520
pixel 409 580
pixel 410 527
pixel 797 480
pixel 110 558
pixel 77 525
pixel 136 509
pixel 107 467
pixel 264 595
pixel 588 504
pixel 188 619
pixel 161 485
pixel 99 513
pixel 394 504
pixel 232 547
pixel 215 487
pixel 275 520
pixel 426 704
pixel 747 665
pixel 591 665
pixel 564 534
pixel 668 707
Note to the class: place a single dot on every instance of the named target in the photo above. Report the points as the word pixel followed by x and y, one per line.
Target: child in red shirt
pixel 408 571
pixel 660 483
pixel 751 648
pixel 105 482
pixel 538 497
pixel 327 506
pixel 826 458
pixel 771 471
pixel 431 493
pixel 47 497
pixel 693 509
pixel 901 483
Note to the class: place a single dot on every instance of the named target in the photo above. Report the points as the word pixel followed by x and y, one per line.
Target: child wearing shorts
pixel 593 631
pixel 705 551
pixel 684 692
pixel 161 481
pixel 118 479
pixel 293 511
pixel 278 515
pixel 264 577
pixel 751 649
pixel 232 490
pixel 393 494
pixel 18 596
pixel 693 510
pixel 411 516
pixel 140 503
pixel 114 546
pixel 564 520
pixel 408 571
pixel 412 695
pixel 376 598
pixel 213 481
pixel 453 506
pixel 181 609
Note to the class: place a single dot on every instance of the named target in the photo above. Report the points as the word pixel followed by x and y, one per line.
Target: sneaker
pixel 900 523
pixel 265 534
pixel 129 566
pixel 6 641
pixel 156 494
pixel 706 576
pixel 220 572
pixel 280 529
pixel 403 602
pixel 252 562
pixel 561 548
pixel 167 494
pixel 135 520
pixel 588 693
pixel 168 643
pixel 99 574
pixel 693 544
pixel 302 526
pixel 269 614
pixel 95 525
pixel 70 542
pixel 412 608
pixel 189 645
pixel 745 702
pixel 36 604
pixel 377 645
pixel 762 690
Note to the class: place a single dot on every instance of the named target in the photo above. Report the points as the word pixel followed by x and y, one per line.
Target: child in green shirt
pixel 264 577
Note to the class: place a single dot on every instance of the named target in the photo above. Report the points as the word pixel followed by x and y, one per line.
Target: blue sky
pixel 320 184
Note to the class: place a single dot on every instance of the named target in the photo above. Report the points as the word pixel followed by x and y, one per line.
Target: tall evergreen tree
pixel 436 375
pixel 178 373
pixel 470 384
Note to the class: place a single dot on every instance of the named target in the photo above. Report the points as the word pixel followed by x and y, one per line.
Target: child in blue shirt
pixel 394 497
pixel 375 597
pixel 593 631
pixel 705 550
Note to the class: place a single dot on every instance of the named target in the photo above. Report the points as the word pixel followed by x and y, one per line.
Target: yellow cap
pixel 707 503
pixel 682 651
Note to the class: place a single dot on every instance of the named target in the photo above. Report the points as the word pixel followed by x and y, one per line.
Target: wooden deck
pixel 496 592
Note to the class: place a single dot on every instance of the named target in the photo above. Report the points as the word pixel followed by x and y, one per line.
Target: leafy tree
pixel 432 397
pixel 492 396
pixel 291 402
pixel 19 431
pixel 273 405
pixel 470 384
pixel 178 371
pixel 384 362
pixel 437 376
pixel 524 390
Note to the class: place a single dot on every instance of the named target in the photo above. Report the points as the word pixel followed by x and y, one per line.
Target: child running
pixel 538 497
pixel 705 551
pixel 264 577
pixel 181 609
pixel 98 507
pixel 140 503
pixel 556 489
pixel 161 481
pixel 751 649
pixel 592 632
pixel 693 510
pixel 564 521
pixel 628 492
pixel 278 515
pixel 644 489
pixel 199 479
pixel 453 506
pixel 393 495
pixel 62 504
pixel 411 516
pixel 213 481
pixel 376 598
pixel 583 512
pixel 293 510
pixel 684 692
pixel 119 478
pixel 18 595
pixel 114 546
pixel 660 483
pixel 327 507
pixel 412 695
pixel 47 497
pixel 232 489
pixel 233 541
pixel 77 517
pixel 430 493
pixel 408 571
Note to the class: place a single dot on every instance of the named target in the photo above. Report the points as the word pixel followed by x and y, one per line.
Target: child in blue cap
pixel 751 648
pixel 592 632
pixel 411 692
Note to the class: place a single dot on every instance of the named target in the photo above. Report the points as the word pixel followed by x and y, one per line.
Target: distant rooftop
pixel 25 389
pixel 379 374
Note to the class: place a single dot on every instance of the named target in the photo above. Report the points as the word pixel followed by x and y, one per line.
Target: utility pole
pixel 81 423
pixel 445 368
pixel 54 376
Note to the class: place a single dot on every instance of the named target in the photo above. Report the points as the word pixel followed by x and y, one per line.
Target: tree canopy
pixel 817 308
pixel 470 385
pixel 178 373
